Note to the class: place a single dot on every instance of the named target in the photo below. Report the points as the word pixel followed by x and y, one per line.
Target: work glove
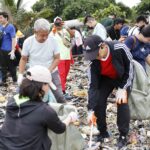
pixel 121 96
pixel 12 55
pixel 73 117
pixel 20 78
pixel 91 118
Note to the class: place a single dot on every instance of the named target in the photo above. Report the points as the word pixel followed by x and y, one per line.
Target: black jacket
pixel 122 62
pixel 114 34
pixel 25 127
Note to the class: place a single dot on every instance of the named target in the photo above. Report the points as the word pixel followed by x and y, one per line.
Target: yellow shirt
pixel 64 50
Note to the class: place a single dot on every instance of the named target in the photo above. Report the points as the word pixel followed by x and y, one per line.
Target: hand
pixel 91 118
pixel 73 116
pixel 20 78
pixel 121 96
pixel 12 55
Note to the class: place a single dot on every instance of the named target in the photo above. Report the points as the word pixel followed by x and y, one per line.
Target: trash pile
pixel 77 86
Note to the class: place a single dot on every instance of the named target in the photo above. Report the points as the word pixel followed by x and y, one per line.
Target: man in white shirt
pixel 41 49
pixel 98 28
pixel 140 23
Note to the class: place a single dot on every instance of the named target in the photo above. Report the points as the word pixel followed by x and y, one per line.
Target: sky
pixel 130 3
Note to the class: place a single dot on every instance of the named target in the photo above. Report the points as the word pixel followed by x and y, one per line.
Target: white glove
pixel 20 78
pixel 91 118
pixel 73 116
pixel 12 55
pixel 121 96
pixel 90 115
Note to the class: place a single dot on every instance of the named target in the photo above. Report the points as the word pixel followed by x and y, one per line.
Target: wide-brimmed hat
pixel 41 74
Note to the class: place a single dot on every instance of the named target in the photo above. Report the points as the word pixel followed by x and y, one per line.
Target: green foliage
pixel 83 7
pixel 38 6
pixel 125 10
pixel 143 7
pixel 101 13
pixel 46 13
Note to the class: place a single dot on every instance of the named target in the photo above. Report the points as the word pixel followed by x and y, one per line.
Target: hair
pixel 118 21
pixel 31 89
pixel 41 24
pixel 88 18
pixel 141 18
pixel 146 31
pixel 4 14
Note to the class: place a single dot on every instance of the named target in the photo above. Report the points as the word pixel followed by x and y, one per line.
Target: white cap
pixel 59 18
pixel 41 74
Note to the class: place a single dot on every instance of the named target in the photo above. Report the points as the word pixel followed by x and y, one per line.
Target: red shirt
pixel 107 68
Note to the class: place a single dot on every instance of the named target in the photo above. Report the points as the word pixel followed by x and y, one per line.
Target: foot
pixel 122 141
pixel 102 137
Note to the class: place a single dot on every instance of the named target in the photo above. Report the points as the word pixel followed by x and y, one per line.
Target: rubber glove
pixel 12 55
pixel 91 118
pixel 121 96
pixel 20 78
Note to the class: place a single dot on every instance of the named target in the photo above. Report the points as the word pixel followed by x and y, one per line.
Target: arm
pixel 13 43
pixel 22 64
pixel 94 81
pixel 55 62
pixel 128 68
pixel 52 121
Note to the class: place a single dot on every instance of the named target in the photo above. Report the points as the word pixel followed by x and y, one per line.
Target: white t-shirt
pixel 78 38
pixel 40 53
pixel 100 31
pixel 134 31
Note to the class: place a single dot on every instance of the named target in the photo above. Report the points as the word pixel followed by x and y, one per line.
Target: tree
pixel 125 10
pixel 143 7
pixel 102 13
pixel 82 8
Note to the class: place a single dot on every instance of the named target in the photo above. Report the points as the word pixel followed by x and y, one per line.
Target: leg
pixel 12 69
pixel 107 85
pixel 62 73
pixel 3 59
pixel 58 92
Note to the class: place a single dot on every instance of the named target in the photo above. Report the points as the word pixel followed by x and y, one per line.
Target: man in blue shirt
pixel 7 48
pixel 139 46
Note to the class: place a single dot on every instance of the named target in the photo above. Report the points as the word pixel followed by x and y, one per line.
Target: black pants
pixel 7 65
pixel 123 114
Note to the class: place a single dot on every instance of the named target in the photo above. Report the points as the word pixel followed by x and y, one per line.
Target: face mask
pixel 90 28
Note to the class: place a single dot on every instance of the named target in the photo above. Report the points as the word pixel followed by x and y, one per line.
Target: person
pixel 98 28
pixel 76 41
pixel 108 21
pixel 7 48
pixel 140 23
pixel 42 49
pixel 64 40
pixel 28 118
pixel 139 46
pixel 111 67
pixel 114 30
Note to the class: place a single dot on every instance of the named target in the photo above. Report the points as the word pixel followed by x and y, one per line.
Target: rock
pixel 86 130
pixel 148 133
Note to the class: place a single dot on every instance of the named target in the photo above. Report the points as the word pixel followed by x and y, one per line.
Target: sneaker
pixel 122 141
pixel 102 137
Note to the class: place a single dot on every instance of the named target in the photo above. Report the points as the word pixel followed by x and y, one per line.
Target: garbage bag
pixel 71 139
pixel 139 99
